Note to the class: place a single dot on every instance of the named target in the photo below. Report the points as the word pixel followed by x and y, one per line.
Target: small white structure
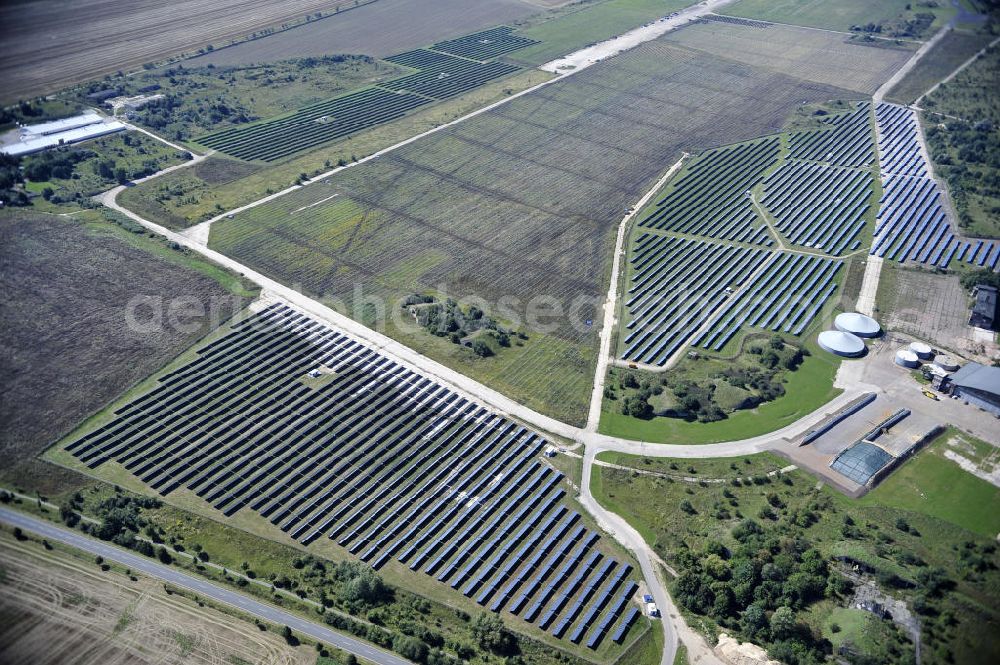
pixel 841 343
pixel 907 358
pixel 35 138
pixel 652 610
pixel 947 363
pixel 315 373
pixel 550 451
pixel 857 324
pixel 922 350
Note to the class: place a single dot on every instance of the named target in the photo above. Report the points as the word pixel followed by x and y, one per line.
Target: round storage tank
pixel 841 343
pixel 922 350
pixel 857 324
pixel 947 363
pixel 907 358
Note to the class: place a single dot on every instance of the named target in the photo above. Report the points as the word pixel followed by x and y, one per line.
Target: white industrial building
pixel 35 138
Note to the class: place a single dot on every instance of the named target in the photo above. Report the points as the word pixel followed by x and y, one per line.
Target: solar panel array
pixel 380 459
pixel 450 69
pixel 848 142
pixel 913 224
pixel 711 198
pixel 786 297
pixel 485 44
pixel 675 285
pixel 819 207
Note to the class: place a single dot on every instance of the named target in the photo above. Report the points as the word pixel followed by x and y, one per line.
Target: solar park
pixel 704 263
pixel 445 70
pixel 913 224
pixel 326 438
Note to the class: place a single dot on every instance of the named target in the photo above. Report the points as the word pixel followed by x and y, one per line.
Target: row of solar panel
pixel 369 453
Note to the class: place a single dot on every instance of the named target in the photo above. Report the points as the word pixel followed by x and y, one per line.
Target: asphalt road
pixel 202 587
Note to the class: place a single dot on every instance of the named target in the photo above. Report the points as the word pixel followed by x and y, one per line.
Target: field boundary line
pixel 611 301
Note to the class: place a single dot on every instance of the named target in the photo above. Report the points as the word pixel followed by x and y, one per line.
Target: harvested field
pixel 946 56
pixel 67 348
pixel 49 45
pixel 379 29
pixel 839 15
pixel 822 57
pixel 56 609
pixel 519 202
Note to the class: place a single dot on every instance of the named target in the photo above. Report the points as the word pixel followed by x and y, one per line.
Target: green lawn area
pixel 837 15
pixel 934 485
pixel 806 389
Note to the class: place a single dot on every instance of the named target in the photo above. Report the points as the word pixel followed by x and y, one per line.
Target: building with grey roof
pixel 978 385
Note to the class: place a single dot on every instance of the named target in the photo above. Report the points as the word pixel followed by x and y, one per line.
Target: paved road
pixel 201 587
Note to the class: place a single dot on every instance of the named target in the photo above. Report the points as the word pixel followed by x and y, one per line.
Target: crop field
pixel 88 39
pixel 807 54
pixel 445 72
pixel 840 15
pixel 328 439
pixel 945 57
pixel 71 279
pixel 517 202
pixel 914 224
pixel 378 29
pixel 59 609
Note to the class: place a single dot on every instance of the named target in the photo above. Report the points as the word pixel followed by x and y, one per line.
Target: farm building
pixel 35 138
pixel 978 385
pixel 841 343
pixel 984 310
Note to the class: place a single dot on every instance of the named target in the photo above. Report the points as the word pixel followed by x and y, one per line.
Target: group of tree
pixel 467 324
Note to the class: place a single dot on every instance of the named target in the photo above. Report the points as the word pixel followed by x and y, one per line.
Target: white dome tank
pixel 907 358
pixel 947 363
pixel 841 343
pixel 922 350
pixel 857 324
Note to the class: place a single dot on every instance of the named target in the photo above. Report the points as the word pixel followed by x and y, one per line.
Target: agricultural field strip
pixel 914 223
pixel 374 456
pixel 446 72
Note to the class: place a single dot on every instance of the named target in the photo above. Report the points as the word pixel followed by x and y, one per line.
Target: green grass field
pixel 839 15
pixel 806 389
pixel 936 486
pixel 960 624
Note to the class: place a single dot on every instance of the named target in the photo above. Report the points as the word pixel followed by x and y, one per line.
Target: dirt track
pixel 50 44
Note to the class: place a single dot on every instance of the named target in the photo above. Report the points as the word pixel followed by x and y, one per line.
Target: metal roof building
pixel 978 385
pixel 35 138
pixel 985 310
